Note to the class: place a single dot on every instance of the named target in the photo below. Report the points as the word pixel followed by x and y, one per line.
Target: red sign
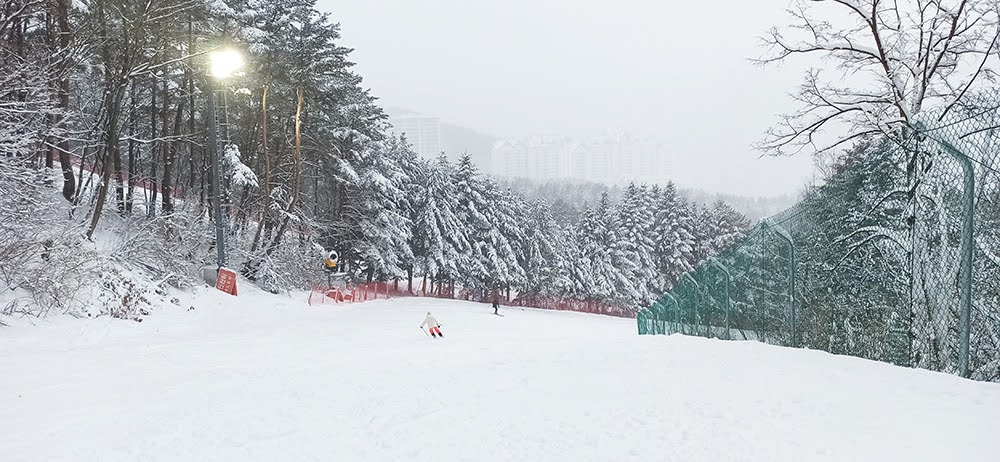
pixel 227 281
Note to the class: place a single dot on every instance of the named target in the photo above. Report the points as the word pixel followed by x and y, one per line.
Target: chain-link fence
pixel 896 258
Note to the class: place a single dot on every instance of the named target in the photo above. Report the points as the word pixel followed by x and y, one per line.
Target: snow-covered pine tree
pixel 492 223
pixel 474 267
pixel 703 230
pixel 592 250
pixel 547 254
pixel 607 255
pixel 326 186
pixel 675 241
pixel 578 257
pixel 384 210
pixel 635 221
pixel 510 217
pixel 728 227
pixel 856 298
pixel 414 189
pixel 439 236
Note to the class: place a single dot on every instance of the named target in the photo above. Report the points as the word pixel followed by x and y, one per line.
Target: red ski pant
pixel 435 331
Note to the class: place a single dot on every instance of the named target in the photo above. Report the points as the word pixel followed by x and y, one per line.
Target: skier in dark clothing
pixel 496 305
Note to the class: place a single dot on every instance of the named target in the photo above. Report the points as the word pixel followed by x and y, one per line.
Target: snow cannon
pixel 331 261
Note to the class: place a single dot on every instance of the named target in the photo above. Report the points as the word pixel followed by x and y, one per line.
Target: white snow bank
pixel 264 377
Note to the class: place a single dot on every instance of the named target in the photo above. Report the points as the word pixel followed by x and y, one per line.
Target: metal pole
pixel 791 291
pixel 965 270
pixel 696 301
pixel 677 313
pixel 783 234
pixel 213 141
pixel 729 279
pixel 661 319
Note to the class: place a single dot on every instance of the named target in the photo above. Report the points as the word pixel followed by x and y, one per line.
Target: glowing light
pixel 225 62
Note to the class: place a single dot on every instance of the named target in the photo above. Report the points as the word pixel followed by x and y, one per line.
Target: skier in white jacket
pixel 433 324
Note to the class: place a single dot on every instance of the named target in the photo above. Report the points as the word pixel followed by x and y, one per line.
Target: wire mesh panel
pixel 985 322
pixel 715 278
pixel 894 258
pixel 961 246
pixel 688 297
pixel 644 321
pixel 746 312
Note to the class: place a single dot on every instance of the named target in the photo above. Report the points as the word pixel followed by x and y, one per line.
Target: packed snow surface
pixel 264 377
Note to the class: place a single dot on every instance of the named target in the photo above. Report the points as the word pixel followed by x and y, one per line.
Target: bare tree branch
pixel 902 58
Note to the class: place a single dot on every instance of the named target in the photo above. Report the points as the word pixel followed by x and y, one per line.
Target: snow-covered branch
pixel 904 57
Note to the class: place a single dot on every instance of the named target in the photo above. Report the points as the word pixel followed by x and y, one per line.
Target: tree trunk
pixel 191 115
pixel 161 145
pixel 79 175
pixel 61 17
pixel 114 90
pixel 315 192
pixel 922 349
pixel 296 177
pixel 69 181
pixel 119 181
pixel 133 164
pixel 98 159
pixel 202 197
pixel 111 149
pixel 50 119
pixel 167 186
pixel 267 173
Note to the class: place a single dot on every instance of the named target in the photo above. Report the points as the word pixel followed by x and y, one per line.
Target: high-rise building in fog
pixel 544 156
pixel 423 132
pixel 615 158
pixel 509 159
pixel 547 157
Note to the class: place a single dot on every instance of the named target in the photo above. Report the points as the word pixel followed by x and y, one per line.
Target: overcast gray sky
pixel 675 71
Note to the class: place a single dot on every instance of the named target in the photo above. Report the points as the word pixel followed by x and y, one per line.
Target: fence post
pixel 677 313
pixel 965 269
pixel 696 301
pixel 783 234
pixel 725 272
pixel 657 310
pixel 661 318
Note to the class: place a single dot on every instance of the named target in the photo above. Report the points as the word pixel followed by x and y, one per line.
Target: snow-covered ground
pixel 264 377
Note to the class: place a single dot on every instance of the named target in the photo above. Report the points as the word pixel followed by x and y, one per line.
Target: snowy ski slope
pixel 267 378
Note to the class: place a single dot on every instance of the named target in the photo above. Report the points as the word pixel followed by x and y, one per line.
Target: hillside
pixel 265 377
pixel 457 140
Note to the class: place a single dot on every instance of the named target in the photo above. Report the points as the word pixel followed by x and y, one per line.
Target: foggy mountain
pixel 457 140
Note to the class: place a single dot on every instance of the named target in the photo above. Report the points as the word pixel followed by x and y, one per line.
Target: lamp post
pixel 223 63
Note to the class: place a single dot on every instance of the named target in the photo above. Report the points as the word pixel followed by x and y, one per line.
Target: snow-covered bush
pixel 296 263
pixel 122 296
pixel 171 248
pixel 43 261
pixel 240 175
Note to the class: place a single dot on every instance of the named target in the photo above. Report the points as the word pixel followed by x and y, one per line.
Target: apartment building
pixel 423 132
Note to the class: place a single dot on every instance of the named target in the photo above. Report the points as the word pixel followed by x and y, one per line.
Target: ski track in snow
pixel 264 377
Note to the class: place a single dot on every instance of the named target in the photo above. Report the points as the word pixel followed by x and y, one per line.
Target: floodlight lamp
pixel 225 62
